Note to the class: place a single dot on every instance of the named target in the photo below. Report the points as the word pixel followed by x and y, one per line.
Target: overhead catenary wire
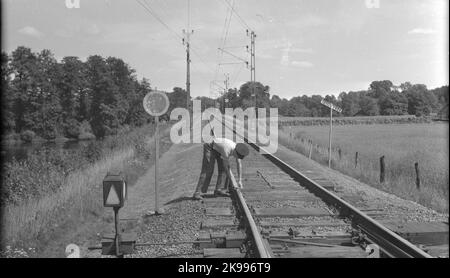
pixel 147 7
pixel 150 10
pixel 228 27
pixel 153 13
pixel 223 40
pixel 237 14
pixel 222 49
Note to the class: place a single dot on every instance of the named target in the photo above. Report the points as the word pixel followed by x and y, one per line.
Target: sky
pixel 302 46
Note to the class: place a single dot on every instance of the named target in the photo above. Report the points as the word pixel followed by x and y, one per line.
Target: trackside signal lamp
pixel 114 190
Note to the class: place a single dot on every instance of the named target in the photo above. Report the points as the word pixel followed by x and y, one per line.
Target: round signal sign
pixel 156 103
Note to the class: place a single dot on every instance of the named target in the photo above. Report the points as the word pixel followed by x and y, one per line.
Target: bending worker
pixel 220 149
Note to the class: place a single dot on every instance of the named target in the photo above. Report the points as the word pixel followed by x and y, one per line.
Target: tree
pixel 350 103
pixel 380 89
pixel 233 98
pixel 8 98
pixel 136 113
pixel 420 101
pixel 105 98
pixel 48 122
pixel 207 103
pixel 72 87
pixel 405 86
pixel 24 67
pixel 368 106
pixel 52 98
pixel 395 103
pixel 297 108
pixel 247 94
pixel 177 98
pixel 123 78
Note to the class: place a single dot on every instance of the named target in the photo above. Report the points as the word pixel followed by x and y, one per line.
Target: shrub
pixel 72 129
pixel 86 136
pixel 27 136
pixel 93 151
pixel 11 137
pixel 85 127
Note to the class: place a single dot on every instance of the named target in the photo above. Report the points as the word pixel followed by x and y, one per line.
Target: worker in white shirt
pixel 220 149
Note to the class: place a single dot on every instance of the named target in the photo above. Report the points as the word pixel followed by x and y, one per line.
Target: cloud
pixel 302 64
pixel 421 31
pixel 31 31
pixel 93 29
pixel 302 50
pixel 307 21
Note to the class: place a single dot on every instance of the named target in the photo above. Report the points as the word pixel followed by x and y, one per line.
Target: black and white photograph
pixel 222 134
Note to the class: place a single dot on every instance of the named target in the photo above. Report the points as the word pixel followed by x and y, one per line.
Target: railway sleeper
pixel 223 239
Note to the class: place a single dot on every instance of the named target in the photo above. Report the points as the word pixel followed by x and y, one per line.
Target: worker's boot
pixel 221 193
pixel 197 196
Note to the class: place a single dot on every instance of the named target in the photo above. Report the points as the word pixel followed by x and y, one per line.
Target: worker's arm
pixel 239 172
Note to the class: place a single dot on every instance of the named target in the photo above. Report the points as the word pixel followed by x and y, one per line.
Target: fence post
pixel 340 153
pixel 310 150
pixel 416 165
pixel 382 169
pixel 356 159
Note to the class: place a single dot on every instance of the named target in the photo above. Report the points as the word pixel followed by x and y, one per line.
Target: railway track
pixel 282 213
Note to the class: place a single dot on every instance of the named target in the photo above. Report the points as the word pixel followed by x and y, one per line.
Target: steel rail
pixel 260 246
pixel 389 242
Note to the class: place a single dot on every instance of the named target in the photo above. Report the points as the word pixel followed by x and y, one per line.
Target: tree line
pixel 75 99
pixel 381 98
pixel 69 98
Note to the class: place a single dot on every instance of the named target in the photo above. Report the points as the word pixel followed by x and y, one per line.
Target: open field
pixel 402 145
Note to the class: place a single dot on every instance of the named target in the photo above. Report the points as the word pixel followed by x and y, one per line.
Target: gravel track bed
pixel 181 222
pixel 283 224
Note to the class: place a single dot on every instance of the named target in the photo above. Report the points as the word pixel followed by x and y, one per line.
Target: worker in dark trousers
pixel 220 149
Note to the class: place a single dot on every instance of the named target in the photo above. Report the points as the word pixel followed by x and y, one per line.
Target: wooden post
pixel 310 150
pixel 356 159
pixel 382 169
pixel 340 153
pixel 416 165
pixel 331 132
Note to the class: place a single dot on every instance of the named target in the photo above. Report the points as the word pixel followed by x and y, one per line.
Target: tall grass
pixel 402 146
pixel 25 221
pixel 78 191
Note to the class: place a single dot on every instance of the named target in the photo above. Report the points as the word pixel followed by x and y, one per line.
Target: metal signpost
pixel 156 103
pixel 114 196
pixel 339 110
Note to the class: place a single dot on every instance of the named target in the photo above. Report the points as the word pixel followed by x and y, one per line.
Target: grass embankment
pixel 402 145
pixel 52 197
